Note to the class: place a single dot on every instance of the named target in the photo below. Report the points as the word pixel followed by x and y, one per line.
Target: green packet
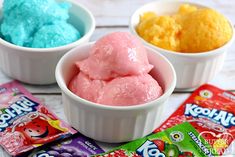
pixel 179 141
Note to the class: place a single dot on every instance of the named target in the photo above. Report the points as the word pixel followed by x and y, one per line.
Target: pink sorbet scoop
pixel 116 73
pixel 116 54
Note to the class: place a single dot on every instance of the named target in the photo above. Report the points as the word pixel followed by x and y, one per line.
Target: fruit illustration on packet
pixel 25 123
pixel 179 141
pixel 76 146
pixel 211 111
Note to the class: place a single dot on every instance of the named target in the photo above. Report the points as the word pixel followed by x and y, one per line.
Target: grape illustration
pixel 66 155
pixel 66 151
pixel 54 153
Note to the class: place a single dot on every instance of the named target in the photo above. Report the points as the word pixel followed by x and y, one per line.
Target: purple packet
pixel 76 146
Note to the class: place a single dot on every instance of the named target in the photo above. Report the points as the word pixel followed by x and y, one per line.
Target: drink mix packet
pixel 179 141
pixel 25 123
pixel 77 146
pixel 211 111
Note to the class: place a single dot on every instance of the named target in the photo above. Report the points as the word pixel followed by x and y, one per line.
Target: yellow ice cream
pixel 189 30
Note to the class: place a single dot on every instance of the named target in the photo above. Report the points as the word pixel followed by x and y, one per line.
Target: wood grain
pixel 118 12
pixel 113 15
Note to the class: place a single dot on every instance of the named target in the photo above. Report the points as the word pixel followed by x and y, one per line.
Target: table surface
pixel 112 15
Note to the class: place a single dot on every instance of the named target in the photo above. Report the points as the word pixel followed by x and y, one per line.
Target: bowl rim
pixel 170 52
pixel 65 89
pixel 59 48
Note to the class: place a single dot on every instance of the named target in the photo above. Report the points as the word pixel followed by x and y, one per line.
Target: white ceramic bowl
pixel 110 123
pixel 37 65
pixel 192 69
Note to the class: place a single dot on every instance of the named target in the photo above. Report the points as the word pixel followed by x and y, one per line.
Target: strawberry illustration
pixel 160 144
pixel 187 154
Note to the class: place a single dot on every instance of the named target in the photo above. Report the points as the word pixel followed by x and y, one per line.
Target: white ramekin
pixel 110 123
pixel 192 69
pixel 37 65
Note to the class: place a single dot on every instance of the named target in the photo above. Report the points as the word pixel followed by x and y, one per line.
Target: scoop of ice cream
pixel 120 91
pixel 130 90
pixel 161 31
pixel 55 35
pixel 116 73
pixel 204 30
pixel 23 18
pixel 85 87
pixel 191 29
pixel 116 54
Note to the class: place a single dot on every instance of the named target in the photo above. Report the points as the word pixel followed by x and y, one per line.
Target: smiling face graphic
pixel 37 134
pixel 38 131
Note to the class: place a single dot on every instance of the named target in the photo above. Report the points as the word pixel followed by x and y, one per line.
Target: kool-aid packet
pixel 211 111
pixel 76 146
pixel 179 141
pixel 25 123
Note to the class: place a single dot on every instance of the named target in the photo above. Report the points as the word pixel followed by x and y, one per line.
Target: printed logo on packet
pixel 149 149
pixel 179 141
pixel 25 123
pixel 212 113
pixel 224 118
pixel 17 109
pixel 218 141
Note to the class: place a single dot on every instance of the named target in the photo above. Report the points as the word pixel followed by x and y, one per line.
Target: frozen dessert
pixel 117 54
pixel 37 23
pixel 54 35
pixel 190 30
pixel 116 73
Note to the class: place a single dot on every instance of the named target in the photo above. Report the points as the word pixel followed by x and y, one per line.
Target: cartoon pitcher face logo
pixel 36 129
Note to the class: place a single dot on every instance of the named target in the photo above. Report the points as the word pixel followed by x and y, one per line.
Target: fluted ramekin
pixel 37 65
pixel 192 69
pixel 109 123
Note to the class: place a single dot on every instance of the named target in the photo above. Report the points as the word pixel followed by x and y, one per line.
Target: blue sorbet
pixel 23 19
pixel 55 35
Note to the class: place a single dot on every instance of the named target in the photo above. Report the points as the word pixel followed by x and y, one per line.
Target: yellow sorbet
pixel 189 30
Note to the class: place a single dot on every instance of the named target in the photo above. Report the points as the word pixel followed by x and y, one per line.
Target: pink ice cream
pixel 114 55
pixel 116 73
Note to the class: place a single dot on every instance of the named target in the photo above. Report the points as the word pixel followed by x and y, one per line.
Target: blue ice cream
pixel 55 35
pixel 37 23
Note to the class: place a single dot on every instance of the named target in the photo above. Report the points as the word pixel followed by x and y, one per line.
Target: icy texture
pixel 25 22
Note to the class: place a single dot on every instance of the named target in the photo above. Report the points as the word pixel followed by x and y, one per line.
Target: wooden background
pixel 113 15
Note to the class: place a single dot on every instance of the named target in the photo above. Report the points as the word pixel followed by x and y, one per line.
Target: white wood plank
pixel 112 13
pixel 32 88
pixel 117 12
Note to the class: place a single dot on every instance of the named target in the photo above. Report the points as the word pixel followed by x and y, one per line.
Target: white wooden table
pixel 113 15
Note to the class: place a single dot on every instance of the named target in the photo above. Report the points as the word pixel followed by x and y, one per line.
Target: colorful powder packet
pixel 76 146
pixel 25 123
pixel 211 111
pixel 179 141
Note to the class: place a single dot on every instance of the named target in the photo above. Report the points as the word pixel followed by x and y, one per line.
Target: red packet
pixel 25 123
pixel 212 113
